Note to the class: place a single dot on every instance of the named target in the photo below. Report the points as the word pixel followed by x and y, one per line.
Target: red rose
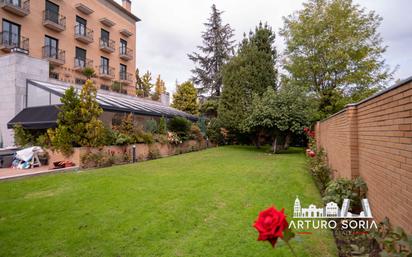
pixel 311 153
pixel 270 224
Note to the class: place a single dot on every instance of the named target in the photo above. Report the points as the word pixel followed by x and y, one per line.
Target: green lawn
pixel 198 204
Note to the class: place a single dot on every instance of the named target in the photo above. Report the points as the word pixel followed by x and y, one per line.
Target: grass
pixel 198 204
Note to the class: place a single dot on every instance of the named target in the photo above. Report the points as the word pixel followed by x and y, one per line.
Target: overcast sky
pixel 171 29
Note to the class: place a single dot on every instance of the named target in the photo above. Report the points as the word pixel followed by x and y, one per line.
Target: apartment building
pixel 72 35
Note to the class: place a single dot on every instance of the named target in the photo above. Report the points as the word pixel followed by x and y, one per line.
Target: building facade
pixel 72 35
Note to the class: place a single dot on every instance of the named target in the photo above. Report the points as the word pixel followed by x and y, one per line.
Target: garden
pixel 197 204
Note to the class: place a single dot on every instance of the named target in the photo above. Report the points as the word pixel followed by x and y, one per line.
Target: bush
pixel 214 132
pixel 340 189
pixel 89 72
pixel 160 138
pixel 22 136
pixel 151 126
pixel 97 160
pixel 195 133
pixel 320 170
pixel 162 126
pixel 154 152
pixel 180 126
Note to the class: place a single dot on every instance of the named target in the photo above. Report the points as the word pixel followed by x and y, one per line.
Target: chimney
pixel 165 99
pixel 127 4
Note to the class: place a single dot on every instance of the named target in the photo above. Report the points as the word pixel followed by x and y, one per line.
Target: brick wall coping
pixel 399 84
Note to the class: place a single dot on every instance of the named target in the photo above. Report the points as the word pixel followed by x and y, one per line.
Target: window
pixel 52 11
pixel 80 81
pixel 123 72
pixel 15 2
pixel 104 65
pixel 81 25
pixel 80 60
pixel 105 35
pixel 123 46
pixel 11 33
pixel 51 47
pixel 105 87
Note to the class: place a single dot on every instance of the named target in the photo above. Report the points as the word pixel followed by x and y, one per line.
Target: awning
pixel 41 117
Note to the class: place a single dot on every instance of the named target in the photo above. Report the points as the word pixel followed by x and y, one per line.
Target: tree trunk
pixel 287 141
pixel 275 144
pixel 257 139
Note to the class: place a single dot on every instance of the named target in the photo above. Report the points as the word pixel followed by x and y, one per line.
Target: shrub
pixel 173 138
pixel 340 189
pixel 127 125
pixel 162 126
pixel 392 241
pixel 180 126
pixel 154 152
pixel 320 170
pixel 89 72
pixel 97 160
pixel 160 138
pixel 195 133
pixel 116 86
pixel 22 136
pixel 214 132
pixel 151 126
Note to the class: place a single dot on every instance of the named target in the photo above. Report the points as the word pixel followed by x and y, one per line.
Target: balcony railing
pixel 54 55
pixel 80 63
pixel 9 41
pixel 126 53
pixel 107 45
pixel 18 7
pixel 54 21
pixel 83 34
pixel 126 77
pixel 106 72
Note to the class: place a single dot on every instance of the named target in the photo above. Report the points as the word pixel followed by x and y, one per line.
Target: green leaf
pixel 288 235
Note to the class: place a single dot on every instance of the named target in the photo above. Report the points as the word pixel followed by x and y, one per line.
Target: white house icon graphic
pixel 331 210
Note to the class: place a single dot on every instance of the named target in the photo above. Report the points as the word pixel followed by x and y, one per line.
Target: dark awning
pixel 41 117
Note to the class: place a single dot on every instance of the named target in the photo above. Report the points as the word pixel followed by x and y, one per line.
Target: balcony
pixel 18 7
pixel 54 21
pixel 54 56
pixel 80 64
pixel 126 53
pixel 83 34
pixel 106 72
pixel 126 77
pixel 107 45
pixel 13 42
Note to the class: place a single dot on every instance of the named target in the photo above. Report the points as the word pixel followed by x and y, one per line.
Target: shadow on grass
pixel 266 149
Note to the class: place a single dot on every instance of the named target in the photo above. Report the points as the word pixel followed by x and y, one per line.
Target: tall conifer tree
pixel 216 50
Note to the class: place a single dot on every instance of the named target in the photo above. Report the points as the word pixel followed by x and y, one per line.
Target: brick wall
pixel 373 139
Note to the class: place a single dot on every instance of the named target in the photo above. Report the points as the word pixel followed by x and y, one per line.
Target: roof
pixel 119 102
pixel 123 10
pixel 41 117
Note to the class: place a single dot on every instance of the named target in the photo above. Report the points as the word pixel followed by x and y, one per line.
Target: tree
pixel 160 88
pixel 217 49
pixel 90 112
pixel 279 114
pixel 334 49
pixel 144 84
pixel 248 73
pixel 78 121
pixel 185 98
